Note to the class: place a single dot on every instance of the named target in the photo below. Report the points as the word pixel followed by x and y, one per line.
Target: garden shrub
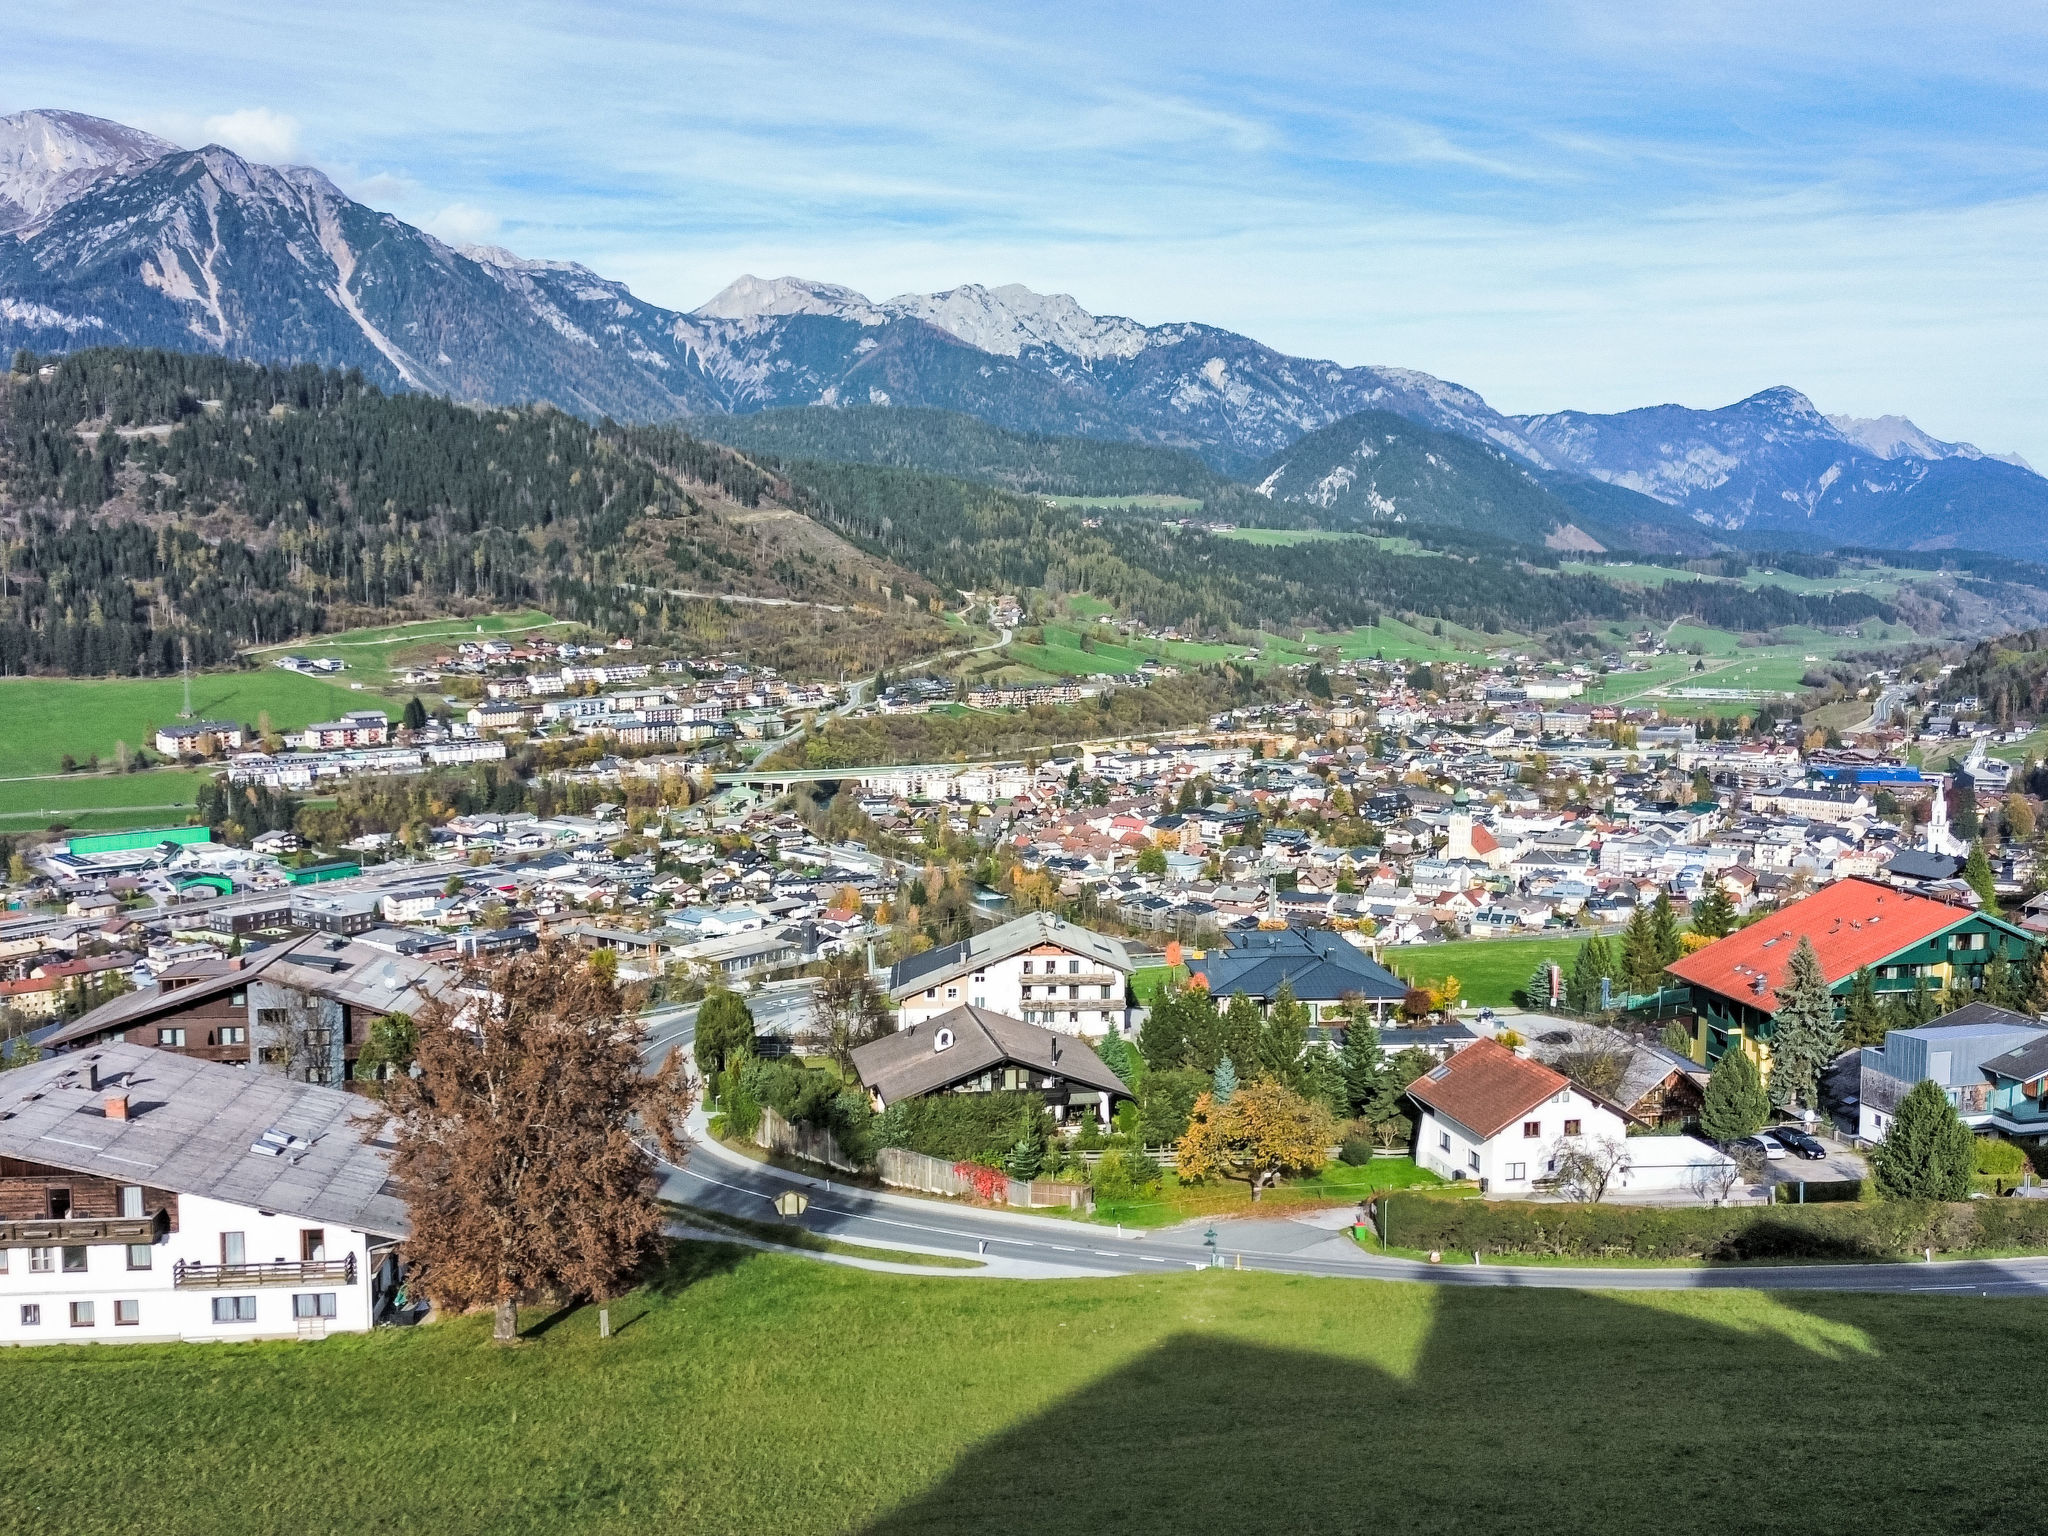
pixel 1165 1100
pixel 1865 1230
pixel 972 1127
pixel 2000 1159
pixel 1356 1151
pixel 1124 1173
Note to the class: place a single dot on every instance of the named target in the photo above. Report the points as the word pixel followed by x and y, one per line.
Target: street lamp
pixel 1209 1238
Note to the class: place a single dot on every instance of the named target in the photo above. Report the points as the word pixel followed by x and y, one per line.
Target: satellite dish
pixel 942 1039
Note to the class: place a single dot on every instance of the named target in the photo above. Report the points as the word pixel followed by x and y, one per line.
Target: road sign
pixel 790 1203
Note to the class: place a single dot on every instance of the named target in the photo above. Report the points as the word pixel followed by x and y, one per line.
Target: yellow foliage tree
pixel 1444 994
pixel 1263 1132
pixel 1688 943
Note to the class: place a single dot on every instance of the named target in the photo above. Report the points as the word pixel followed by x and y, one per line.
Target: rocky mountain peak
pixel 48 158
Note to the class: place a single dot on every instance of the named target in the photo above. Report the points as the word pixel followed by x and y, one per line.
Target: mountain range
pixel 111 236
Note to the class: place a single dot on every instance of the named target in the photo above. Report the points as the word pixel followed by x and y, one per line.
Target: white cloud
pixel 463 224
pixel 255 133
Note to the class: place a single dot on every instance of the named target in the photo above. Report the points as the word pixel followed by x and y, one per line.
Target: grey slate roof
pixel 909 1064
pixel 1323 967
pixel 999 943
pixel 190 1127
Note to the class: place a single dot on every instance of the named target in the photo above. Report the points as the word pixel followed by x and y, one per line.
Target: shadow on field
pixel 683 1265
pixel 1818 1403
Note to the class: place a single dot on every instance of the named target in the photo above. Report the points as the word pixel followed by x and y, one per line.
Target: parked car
pixel 1761 1142
pixel 1798 1142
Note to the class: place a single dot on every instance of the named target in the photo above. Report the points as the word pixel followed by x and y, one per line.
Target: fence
pixel 935 1176
pixel 813 1144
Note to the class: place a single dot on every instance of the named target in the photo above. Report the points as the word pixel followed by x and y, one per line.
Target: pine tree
pixel 1865 1020
pixel 1713 915
pixel 1242 1026
pixel 1163 1037
pixel 1664 934
pixel 415 718
pixel 1639 956
pixel 1224 1083
pixel 1804 1035
pixel 2033 988
pixel 1928 1152
pixel 1977 875
pixel 1537 988
pixel 1283 1039
pixel 1595 961
pixel 1364 1064
pixel 1736 1104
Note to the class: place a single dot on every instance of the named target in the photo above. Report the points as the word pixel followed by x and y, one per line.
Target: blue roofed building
pixel 1326 971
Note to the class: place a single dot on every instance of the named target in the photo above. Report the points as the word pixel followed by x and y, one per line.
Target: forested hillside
pixel 2009 676
pixel 949 443
pixel 155 499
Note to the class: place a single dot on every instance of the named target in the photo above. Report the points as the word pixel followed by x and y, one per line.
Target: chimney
pixel 117 1106
pixel 92 1074
pixel 234 962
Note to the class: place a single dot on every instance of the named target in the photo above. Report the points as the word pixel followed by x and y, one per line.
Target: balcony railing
pixel 187 1276
pixel 58 1232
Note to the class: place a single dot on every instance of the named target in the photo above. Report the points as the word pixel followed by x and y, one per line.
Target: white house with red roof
pixel 1490 1115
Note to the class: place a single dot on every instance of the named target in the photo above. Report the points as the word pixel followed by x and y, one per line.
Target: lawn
pixel 1396 640
pixel 43 718
pixel 163 793
pixel 1337 1184
pixel 765 1393
pixel 1147 981
pixel 1491 969
pixel 1287 537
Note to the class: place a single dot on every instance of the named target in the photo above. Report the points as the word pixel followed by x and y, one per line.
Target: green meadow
pixel 745 1392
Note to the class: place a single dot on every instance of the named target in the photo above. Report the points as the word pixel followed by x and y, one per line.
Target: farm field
pixel 1158 501
pixel 754 1392
pixel 1061 655
pixel 42 719
pixel 1490 969
pixel 373 654
pixel 1287 537
pixel 1878 583
pixel 1397 640
pixel 137 798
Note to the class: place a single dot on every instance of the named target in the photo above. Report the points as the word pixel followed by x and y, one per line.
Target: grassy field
pixel 1395 640
pixel 373 654
pixel 1338 1184
pixel 41 718
pixel 1061 655
pixel 763 1393
pixel 135 797
pixel 1287 537
pixel 1491 969
pixel 1155 500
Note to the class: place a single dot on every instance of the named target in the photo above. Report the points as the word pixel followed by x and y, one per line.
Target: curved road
pixel 1015 1244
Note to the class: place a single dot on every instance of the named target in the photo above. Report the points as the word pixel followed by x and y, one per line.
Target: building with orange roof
pixel 1904 939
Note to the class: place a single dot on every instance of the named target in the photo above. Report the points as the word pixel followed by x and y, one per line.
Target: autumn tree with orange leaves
pixel 522 1138
pixel 1265 1131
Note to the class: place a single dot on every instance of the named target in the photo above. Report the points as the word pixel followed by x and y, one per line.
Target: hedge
pixel 971 1127
pixel 1877 1230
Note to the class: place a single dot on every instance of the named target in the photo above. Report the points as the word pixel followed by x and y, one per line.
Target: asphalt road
pixel 1044 1246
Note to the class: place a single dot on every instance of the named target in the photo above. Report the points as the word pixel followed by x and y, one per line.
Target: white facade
pixel 245 1275
pixel 1513 1158
pixel 1050 986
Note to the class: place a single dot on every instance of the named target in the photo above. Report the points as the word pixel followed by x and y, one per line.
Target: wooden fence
pixel 813 1144
pixel 935 1176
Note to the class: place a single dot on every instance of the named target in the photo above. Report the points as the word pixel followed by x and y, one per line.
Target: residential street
pixel 1016 1245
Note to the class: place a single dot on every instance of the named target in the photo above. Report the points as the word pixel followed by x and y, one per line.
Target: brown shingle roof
pixel 908 1064
pixel 1486 1087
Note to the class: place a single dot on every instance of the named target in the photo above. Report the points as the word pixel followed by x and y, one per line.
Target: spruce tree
pixel 1664 935
pixel 1804 1035
pixel 1163 1038
pixel 1595 961
pixel 1977 875
pixel 1224 1083
pixel 1639 956
pixel 1928 1152
pixel 1241 1030
pixel 1736 1104
pixel 1364 1064
pixel 1865 1020
pixel 1713 915
pixel 1283 1039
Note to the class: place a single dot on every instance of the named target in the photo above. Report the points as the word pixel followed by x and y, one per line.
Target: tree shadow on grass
pixel 1533 1411
pixel 680 1265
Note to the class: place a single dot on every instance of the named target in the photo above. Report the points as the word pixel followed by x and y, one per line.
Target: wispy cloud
pixel 1560 202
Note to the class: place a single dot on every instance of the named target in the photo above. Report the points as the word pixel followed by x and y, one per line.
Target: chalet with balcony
pixel 974 1050
pixel 1040 969
pixel 146 1195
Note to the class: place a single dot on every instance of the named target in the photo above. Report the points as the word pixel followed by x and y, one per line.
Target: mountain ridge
pixel 113 243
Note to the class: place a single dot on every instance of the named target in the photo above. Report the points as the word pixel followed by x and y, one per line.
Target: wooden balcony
pixel 72 1230
pixel 187 1276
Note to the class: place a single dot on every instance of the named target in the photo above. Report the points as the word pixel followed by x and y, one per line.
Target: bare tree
pixel 1598 1061
pixel 851 1009
pixel 1584 1166
pixel 520 1138
pixel 1712 1179
pixel 295 1036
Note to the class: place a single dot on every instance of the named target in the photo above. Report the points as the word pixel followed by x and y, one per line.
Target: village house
pixel 1038 968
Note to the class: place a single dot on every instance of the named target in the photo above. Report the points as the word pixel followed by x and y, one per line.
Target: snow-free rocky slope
pixel 109 236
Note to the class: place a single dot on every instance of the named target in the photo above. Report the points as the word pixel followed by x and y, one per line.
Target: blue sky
pixel 1591 205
